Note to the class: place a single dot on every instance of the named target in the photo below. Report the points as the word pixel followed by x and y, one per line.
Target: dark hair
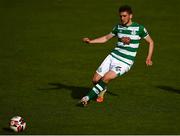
pixel 125 8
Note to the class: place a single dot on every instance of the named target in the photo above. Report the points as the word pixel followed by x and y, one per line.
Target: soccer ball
pixel 17 124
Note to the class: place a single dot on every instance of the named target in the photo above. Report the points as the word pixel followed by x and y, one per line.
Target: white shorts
pixel 112 64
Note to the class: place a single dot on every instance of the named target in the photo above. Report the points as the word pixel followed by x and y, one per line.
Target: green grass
pixel 45 68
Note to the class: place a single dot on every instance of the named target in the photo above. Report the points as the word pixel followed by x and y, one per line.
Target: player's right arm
pixel 102 39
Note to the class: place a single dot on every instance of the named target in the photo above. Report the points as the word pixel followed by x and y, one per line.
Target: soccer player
pixel 122 57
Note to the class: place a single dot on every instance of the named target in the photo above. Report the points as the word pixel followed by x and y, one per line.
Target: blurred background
pixel 45 68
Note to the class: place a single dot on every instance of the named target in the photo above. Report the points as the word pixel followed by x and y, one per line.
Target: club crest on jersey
pixel 133 32
pixel 118 68
pixel 120 30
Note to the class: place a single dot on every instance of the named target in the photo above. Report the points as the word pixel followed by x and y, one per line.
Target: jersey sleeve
pixel 143 32
pixel 114 30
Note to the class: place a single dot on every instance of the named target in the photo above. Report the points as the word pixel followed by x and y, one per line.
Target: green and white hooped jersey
pixel 126 53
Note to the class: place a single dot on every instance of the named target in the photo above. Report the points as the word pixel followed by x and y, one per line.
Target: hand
pixel 148 62
pixel 86 40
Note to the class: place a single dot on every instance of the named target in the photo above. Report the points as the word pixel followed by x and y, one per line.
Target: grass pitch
pixel 45 68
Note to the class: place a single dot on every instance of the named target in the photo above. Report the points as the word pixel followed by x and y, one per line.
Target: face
pixel 125 18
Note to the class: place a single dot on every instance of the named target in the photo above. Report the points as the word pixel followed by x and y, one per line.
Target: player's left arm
pixel 150 42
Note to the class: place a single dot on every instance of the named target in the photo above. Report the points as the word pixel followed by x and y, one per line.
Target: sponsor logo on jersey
pixel 99 69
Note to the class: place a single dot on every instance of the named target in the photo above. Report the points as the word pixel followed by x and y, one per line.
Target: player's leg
pixel 98 84
pixel 99 87
pixel 101 95
pixel 119 68
pixel 110 75
pixel 100 72
pixel 95 80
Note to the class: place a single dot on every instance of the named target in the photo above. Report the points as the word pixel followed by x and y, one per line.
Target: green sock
pixel 100 86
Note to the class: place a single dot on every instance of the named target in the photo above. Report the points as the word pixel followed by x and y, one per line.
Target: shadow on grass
pixel 168 88
pixel 7 129
pixel 76 91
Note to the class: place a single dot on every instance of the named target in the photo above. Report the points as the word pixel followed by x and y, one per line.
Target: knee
pixel 95 80
pixel 106 79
